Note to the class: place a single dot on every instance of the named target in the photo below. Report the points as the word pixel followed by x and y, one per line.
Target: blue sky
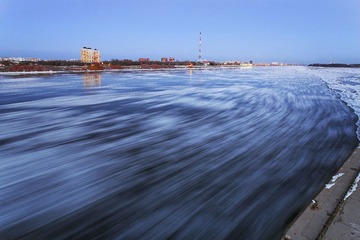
pixel 302 31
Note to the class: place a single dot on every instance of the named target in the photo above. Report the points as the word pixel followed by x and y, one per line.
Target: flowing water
pixel 183 154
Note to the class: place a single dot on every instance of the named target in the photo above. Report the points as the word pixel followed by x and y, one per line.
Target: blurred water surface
pixel 184 154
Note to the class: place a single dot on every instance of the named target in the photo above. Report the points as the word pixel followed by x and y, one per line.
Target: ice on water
pixel 209 153
pixel 345 82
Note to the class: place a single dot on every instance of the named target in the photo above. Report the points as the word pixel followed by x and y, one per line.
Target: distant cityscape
pixel 90 60
pixel 92 56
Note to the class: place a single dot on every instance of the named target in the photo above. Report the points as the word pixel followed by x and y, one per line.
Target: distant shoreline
pixel 125 68
pixel 334 65
pixel 72 70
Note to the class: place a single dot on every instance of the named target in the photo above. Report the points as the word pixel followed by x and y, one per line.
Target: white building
pixel 88 55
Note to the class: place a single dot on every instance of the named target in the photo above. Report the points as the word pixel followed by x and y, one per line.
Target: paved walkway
pixel 346 223
pixel 332 215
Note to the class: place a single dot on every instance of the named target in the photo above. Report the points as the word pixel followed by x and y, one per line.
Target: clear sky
pixel 298 31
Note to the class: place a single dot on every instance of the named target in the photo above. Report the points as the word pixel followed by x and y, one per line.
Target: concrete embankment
pixel 334 212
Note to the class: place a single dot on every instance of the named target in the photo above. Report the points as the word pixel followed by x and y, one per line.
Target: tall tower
pixel 200 41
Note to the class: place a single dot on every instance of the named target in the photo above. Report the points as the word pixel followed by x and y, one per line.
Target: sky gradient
pixel 305 31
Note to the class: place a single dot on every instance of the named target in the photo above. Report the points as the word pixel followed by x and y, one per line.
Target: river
pixel 202 153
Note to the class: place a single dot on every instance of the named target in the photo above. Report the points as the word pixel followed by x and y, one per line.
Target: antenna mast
pixel 200 41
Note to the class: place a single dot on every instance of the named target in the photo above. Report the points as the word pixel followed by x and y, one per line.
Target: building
pixel 144 59
pixel 88 55
pixel 164 59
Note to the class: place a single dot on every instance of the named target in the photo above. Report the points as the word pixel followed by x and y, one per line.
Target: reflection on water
pixel 91 79
pixel 234 154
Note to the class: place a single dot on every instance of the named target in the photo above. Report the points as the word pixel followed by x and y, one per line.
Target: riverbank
pixel 334 65
pixel 333 214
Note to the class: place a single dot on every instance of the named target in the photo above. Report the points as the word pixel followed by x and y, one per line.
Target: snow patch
pixel 329 185
pixel 333 179
pixel 353 187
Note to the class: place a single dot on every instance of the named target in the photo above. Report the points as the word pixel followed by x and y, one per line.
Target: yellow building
pixel 88 55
